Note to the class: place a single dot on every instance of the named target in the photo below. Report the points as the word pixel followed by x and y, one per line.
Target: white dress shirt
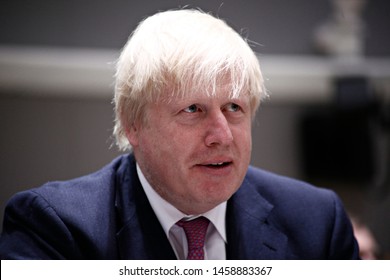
pixel 168 215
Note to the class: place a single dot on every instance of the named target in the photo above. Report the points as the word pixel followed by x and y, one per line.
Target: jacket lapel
pixel 140 235
pixel 250 235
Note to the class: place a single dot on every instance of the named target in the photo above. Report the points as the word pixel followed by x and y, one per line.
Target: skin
pixel 182 143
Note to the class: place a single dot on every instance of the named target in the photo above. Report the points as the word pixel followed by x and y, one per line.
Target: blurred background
pixel 327 70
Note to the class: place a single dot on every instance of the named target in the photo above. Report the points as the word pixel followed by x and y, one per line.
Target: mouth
pixel 217 165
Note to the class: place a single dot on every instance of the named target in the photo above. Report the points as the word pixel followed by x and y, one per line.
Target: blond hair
pixel 181 50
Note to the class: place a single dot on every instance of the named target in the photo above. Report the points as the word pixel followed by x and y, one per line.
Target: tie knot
pixel 195 231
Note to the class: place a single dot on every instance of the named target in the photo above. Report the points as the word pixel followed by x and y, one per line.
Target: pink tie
pixel 195 231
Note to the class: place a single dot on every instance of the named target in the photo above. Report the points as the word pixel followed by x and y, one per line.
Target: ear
pixel 132 134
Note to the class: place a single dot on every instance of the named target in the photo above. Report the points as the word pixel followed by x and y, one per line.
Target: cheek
pixel 243 136
pixel 161 143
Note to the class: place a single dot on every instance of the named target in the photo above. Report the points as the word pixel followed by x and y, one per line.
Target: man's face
pixel 194 150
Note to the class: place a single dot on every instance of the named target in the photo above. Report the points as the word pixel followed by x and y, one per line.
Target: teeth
pixel 217 164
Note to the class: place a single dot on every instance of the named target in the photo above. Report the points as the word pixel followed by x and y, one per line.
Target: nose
pixel 218 130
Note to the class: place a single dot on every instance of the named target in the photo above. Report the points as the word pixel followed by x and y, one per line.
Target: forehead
pixel 223 89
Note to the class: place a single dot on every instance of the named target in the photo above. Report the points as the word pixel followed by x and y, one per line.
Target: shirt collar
pixel 168 215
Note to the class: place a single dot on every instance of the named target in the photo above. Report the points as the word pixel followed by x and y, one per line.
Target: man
pixel 187 88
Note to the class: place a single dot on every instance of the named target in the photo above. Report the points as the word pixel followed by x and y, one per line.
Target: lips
pixel 217 164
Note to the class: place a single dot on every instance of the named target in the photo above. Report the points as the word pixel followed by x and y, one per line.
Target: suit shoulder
pixel 86 194
pixel 313 218
pixel 281 189
pixel 67 215
pixel 95 183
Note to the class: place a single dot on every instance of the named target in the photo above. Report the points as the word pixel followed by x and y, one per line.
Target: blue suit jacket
pixel 106 215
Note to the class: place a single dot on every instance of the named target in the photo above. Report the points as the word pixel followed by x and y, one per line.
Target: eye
pixel 233 107
pixel 191 109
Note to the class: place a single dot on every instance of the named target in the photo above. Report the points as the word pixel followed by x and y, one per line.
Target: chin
pixel 217 198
